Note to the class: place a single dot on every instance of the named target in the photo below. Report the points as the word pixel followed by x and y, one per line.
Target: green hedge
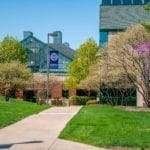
pixel 128 101
pixel 91 102
pixel 79 100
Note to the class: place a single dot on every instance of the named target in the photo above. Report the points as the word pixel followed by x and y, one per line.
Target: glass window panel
pixel 127 2
pixel 146 1
pixel 116 2
pixel 106 2
pixel 103 38
pixel 137 2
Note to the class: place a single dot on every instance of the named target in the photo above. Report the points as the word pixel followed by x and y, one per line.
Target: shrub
pixel 91 102
pixel 92 98
pixel 78 100
pixel 128 101
pixel 56 101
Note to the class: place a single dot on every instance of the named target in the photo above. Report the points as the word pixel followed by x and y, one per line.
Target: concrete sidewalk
pixel 40 132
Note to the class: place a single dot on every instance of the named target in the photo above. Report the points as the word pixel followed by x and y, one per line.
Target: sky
pixel 77 19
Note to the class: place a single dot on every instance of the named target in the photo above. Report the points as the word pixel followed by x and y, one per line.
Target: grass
pixel 106 126
pixel 15 110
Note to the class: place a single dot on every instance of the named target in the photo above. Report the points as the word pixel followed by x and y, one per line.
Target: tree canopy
pixel 79 68
pixel 14 75
pixel 124 63
pixel 147 24
pixel 11 49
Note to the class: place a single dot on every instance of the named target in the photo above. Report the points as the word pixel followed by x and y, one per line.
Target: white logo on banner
pixel 54 57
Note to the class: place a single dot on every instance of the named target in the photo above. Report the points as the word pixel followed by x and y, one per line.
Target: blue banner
pixel 54 57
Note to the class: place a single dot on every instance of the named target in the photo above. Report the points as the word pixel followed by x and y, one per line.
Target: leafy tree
pixel 125 63
pixel 79 68
pixel 13 74
pixel 147 24
pixel 11 49
pixel 129 51
pixel 92 81
pixel 147 7
pixel 106 75
pixel 40 85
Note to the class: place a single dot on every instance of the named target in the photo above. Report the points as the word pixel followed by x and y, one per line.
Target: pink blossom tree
pixel 129 51
pixel 143 50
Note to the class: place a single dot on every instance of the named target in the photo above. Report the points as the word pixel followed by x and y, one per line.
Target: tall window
pixel 106 2
pixel 137 2
pixel 146 1
pixel 127 2
pixel 103 38
pixel 116 2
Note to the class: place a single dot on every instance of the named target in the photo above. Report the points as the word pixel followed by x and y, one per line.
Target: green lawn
pixel 15 110
pixel 106 126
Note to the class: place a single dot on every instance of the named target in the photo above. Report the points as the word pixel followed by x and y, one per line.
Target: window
pixel 137 2
pixel 116 2
pixel 103 38
pixel 127 2
pixel 106 2
pixel 146 1
pixel 65 93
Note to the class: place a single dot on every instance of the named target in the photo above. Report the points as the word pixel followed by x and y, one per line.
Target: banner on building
pixel 54 57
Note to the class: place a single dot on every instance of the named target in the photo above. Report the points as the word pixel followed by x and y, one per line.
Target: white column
pixel 139 102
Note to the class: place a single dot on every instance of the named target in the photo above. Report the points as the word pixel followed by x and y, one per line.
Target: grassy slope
pixel 107 126
pixel 15 110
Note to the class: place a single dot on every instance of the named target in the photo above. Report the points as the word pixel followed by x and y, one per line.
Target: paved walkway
pixel 40 132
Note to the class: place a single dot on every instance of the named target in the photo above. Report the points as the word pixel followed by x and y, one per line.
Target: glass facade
pixel 137 2
pixel 103 38
pixel 37 57
pixel 116 2
pixel 106 2
pixel 146 1
pixel 124 2
pixel 63 63
pixel 119 16
pixel 127 2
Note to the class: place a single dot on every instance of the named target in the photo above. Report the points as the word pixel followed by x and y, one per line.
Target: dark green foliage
pixel 147 7
pixel 79 100
pixel 127 101
pixel 11 49
pixel 147 24
pixel 112 96
pixel 106 126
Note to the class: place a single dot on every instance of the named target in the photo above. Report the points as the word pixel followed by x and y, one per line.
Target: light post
pixel 48 42
pixel 48 61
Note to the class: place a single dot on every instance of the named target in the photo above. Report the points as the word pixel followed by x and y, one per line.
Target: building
pixel 51 58
pixel 117 15
pixel 59 55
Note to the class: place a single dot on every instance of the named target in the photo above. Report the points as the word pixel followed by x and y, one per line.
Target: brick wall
pixel 55 90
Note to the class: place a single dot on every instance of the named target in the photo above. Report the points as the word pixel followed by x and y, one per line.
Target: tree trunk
pixel 122 96
pixel 12 92
pixel 7 95
pixel 89 93
pixel 147 98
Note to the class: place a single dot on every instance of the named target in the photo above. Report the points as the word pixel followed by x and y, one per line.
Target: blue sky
pixel 77 19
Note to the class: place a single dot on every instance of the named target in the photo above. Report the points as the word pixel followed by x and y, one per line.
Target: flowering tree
pixel 129 51
pixel 109 77
pixel 143 50
pixel 14 75
pixel 40 84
